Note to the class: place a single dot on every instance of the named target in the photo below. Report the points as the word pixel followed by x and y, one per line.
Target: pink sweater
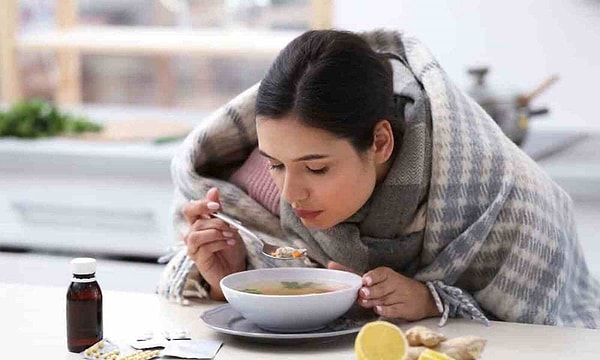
pixel 253 177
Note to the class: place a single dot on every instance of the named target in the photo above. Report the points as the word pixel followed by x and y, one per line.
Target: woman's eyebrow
pixel 302 158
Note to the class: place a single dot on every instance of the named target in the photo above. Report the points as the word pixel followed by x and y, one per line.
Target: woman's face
pixel 323 177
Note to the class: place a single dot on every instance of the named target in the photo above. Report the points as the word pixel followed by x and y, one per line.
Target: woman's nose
pixel 293 190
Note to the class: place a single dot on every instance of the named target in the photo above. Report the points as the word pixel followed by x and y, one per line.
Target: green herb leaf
pixel 252 291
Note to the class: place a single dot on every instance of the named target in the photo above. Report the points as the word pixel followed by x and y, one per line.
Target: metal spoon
pixel 267 249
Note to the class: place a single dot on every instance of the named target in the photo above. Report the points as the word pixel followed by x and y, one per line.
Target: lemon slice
pixel 433 355
pixel 380 340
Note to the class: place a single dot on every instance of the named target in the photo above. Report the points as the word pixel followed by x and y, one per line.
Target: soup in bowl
pixel 291 299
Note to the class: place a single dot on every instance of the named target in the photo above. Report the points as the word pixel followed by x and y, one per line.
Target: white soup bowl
pixel 291 313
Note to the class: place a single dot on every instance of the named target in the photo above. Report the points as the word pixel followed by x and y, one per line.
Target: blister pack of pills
pixel 192 349
pixel 176 344
pixel 107 350
pixel 150 340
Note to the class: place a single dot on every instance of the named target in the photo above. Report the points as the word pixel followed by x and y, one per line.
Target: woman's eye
pixel 319 171
pixel 275 166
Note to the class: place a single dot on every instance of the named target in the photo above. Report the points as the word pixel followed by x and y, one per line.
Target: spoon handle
pixel 233 222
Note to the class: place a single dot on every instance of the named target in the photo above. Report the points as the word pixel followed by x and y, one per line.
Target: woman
pixel 386 169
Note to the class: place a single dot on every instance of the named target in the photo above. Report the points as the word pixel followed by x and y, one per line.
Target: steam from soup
pixel 293 287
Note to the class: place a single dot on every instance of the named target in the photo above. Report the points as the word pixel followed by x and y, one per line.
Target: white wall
pixel 522 40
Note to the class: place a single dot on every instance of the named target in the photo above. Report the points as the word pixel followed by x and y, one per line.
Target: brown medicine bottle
pixel 84 306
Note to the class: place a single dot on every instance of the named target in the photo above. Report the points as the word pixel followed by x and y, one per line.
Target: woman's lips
pixel 307 214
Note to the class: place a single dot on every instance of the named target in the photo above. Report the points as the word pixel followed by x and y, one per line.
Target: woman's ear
pixel 383 141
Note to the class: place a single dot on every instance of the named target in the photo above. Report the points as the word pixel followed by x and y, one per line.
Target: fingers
pixel 376 284
pixel 398 310
pixel 213 195
pixel 203 232
pixel 199 209
pixel 211 223
pixel 204 241
pixel 380 287
pixel 206 253
pixel 376 295
pixel 387 306
pixel 377 276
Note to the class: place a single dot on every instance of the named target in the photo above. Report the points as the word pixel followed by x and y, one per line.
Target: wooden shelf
pixel 157 40
pixel 70 40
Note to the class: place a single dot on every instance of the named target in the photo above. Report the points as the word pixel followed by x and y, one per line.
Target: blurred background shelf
pixel 158 40
pixel 254 31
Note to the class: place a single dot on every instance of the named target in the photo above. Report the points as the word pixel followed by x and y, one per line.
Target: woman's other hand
pixel 215 247
pixel 393 295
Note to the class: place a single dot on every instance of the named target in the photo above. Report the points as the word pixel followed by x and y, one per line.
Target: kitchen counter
pixel 34 328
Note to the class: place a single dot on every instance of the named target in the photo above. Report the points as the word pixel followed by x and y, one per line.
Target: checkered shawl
pixel 498 228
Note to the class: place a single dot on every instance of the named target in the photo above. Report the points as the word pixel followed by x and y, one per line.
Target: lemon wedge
pixel 380 340
pixel 433 355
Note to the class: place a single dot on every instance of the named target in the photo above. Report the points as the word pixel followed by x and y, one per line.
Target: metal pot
pixel 511 111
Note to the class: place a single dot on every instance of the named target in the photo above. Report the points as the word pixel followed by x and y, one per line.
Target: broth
pixel 293 287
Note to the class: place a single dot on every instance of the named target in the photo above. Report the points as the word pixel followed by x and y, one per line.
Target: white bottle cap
pixel 83 266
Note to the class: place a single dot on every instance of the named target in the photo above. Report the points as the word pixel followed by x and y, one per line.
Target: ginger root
pixel 421 335
pixel 463 348
pixel 414 352
pixel 460 348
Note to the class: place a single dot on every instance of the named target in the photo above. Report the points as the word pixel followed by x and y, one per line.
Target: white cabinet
pixel 72 195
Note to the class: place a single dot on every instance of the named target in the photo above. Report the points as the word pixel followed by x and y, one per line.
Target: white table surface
pixel 32 326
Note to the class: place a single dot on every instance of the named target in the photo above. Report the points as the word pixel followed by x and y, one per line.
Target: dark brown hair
pixel 331 80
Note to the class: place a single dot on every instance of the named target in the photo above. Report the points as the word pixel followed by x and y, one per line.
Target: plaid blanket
pixel 499 233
